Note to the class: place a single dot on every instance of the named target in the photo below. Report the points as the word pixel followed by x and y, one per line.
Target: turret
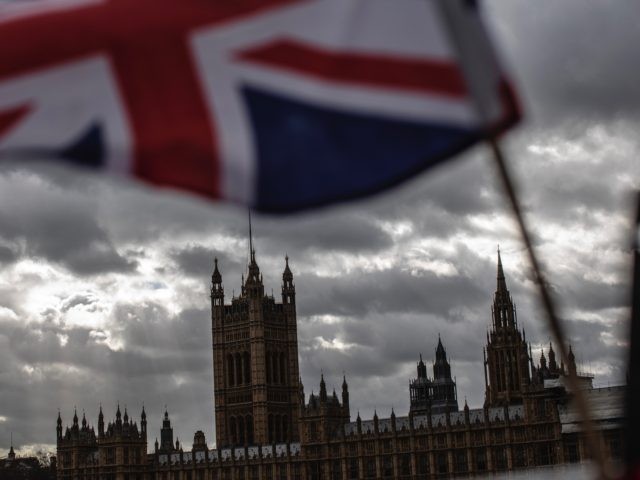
pixel 166 434
pixel 59 427
pixel 253 285
pixel 441 368
pixel 12 454
pixel 288 288
pixel 217 290
pixel 504 315
pixel 323 389
pixel 143 423
pixel 571 358
pixel 75 419
pixel 126 416
pixel 553 366
pixel 118 417
pixel 100 423
pixel 345 398
pixel 543 360
pixel 422 369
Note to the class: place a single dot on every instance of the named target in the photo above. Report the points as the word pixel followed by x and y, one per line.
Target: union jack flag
pixel 277 104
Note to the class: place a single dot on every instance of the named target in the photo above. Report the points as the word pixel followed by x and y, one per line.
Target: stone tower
pixel 506 361
pixel 445 395
pixel 437 395
pixel 255 361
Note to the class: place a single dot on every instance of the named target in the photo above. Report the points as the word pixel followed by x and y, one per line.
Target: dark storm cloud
pixel 58 226
pixel 573 58
pixel 8 254
pixel 579 89
pixel 36 366
pixel 385 291
pixel 150 326
pixel 198 261
pixel 344 232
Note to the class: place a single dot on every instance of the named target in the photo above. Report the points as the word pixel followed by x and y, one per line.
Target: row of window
pixel 239 368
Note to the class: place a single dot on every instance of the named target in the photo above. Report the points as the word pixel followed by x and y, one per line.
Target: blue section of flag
pixel 308 155
pixel 88 149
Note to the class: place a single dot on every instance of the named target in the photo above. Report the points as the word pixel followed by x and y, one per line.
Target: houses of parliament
pixel 268 428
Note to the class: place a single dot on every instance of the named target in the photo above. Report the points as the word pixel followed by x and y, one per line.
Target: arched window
pixel 285 428
pixel 247 367
pixel 241 436
pixel 278 433
pixel 271 439
pixel 232 430
pixel 283 369
pixel 274 367
pixel 230 375
pixel 238 369
pixel 268 366
pixel 249 422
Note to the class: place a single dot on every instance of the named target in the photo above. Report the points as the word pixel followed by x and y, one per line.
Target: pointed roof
pixel 323 387
pixel 12 454
pixel 216 277
pixel 287 275
pixel 440 351
pixel 501 283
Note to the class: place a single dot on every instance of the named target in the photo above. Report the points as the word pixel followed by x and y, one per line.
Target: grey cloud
pixel 197 260
pixel 8 254
pixel 91 226
pixel 79 299
pixel 59 226
pixel 572 57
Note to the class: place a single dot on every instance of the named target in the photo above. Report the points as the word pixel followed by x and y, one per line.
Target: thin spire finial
pixel 250 236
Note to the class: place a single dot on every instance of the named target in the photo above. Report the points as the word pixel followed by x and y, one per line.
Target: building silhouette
pixel 266 427
pixel 437 395
pixel 255 361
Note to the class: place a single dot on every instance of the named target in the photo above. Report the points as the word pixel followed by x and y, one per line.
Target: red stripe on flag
pixel 10 117
pixel 377 70
pixel 174 142
pixel 147 41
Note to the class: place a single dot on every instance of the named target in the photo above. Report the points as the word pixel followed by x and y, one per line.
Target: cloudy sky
pixel 104 285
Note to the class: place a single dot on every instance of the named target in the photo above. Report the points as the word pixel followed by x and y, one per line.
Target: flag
pixel 275 104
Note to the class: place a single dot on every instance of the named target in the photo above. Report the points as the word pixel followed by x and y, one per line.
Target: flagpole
pixel 632 454
pixel 554 322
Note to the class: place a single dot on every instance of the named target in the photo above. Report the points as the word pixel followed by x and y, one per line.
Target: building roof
pixel 607 409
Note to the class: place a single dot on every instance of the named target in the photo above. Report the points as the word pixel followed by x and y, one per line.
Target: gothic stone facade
pixel 266 429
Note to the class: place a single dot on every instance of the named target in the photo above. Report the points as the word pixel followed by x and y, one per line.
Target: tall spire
pixel 441 367
pixel 216 278
pixel 12 454
pixel 502 283
pixel 504 314
pixel 323 388
pixel 422 369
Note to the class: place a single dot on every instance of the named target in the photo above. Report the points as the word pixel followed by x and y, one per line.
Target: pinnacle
pixel 502 283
